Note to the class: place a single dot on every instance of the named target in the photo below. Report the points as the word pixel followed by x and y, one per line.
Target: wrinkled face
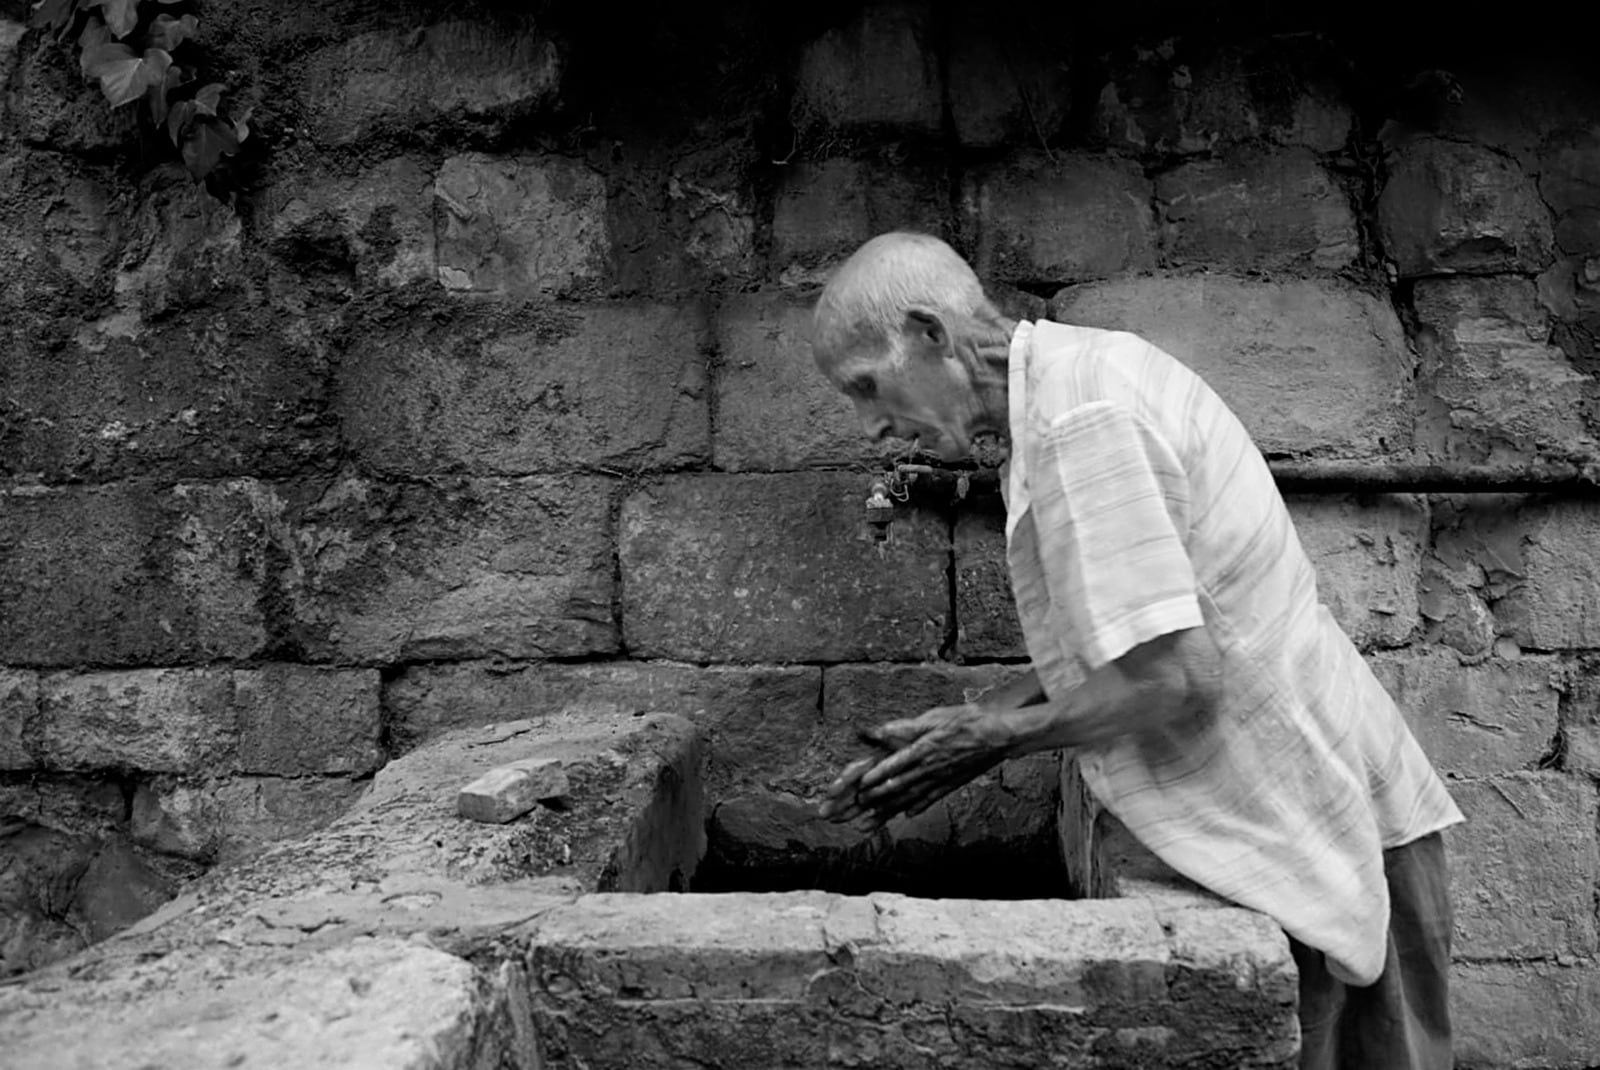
pixel 928 396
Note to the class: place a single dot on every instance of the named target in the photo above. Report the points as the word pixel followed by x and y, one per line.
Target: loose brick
pixel 1308 366
pixel 538 390
pixel 756 719
pixel 1170 102
pixel 1525 1014
pixel 1257 211
pixel 470 75
pixel 506 792
pixel 878 71
pixel 1066 219
pixel 1506 391
pixel 520 226
pixel 1451 207
pixel 775 410
pixel 155 720
pixel 450 569
pixel 124 574
pixel 986 610
pixel 219 821
pixel 19 714
pixel 295 720
pixel 825 209
pixel 1005 88
pixel 1368 556
pixel 379 222
pixel 1474 720
pixel 1523 867
pixel 770 568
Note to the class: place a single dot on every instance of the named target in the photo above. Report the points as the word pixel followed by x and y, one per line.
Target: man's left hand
pixel 932 756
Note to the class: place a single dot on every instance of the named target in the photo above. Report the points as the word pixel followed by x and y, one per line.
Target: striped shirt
pixel 1137 505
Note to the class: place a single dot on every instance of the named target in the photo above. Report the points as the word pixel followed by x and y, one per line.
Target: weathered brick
pixel 1254 210
pixel 469 75
pixel 226 820
pixel 1580 718
pixel 825 209
pixel 1570 289
pixel 1368 557
pixel 58 232
pixel 1005 88
pixel 379 223
pixel 1505 391
pixel 1525 1014
pixel 879 71
pixel 775 410
pixel 538 390
pixel 125 574
pixel 1569 182
pixel 778 568
pixel 19 714
pixel 231 391
pixel 756 719
pixel 1308 366
pixel 1523 867
pixel 185 247
pixel 1451 207
pixel 1061 219
pixel 380 573
pixel 295 720
pixel 154 720
pixel 986 611
pixel 10 33
pixel 520 226
pixel 92 805
pixel 1474 720
pixel 1168 101
pixel 1546 574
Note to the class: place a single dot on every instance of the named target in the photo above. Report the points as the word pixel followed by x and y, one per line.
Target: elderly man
pixel 1178 646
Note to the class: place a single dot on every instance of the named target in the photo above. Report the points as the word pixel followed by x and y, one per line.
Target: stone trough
pixel 405 936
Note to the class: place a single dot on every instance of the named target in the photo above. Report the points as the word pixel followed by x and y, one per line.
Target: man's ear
pixel 925 332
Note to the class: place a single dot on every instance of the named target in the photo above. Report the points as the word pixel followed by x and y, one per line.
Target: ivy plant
pixel 135 50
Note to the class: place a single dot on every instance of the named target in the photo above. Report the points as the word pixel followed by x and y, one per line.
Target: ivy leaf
pixel 121 15
pixel 168 33
pixel 241 125
pixel 94 34
pixel 54 15
pixel 207 99
pixel 124 74
pixel 156 95
pixel 179 116
pixel 208 141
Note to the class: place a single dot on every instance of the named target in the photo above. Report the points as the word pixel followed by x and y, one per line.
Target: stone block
pixel 152 720
pixel 755 719
pixel 449 568
pixel 1450 207
pixel 128 575
pixel 1525 1014
pixel 184 250
pixel 1253 210
pixel 1005 87
pixel 520 226
pixel 1546 574
pixel 540 389
pixel 1062 219
pixel 506 792
pixel 92 805
pixel 1580 718
pixel 455 75
pixel 1368 558
pixel 879 70
pixel 232 819
pixel 377 224
pixel 987 625
pixel 1503 392
pixel 775 410
pixel 1308 366
pixel 1172 100
pixel 236 390
pixel 58 232
pixel 1523 867
pixel 1569 182
pixel 825 209
pixel 1474 720
pixel 777 568
pixel 295 720
pixel 19 715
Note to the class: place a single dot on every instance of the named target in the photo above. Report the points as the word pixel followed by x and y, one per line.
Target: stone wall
pixel 483 392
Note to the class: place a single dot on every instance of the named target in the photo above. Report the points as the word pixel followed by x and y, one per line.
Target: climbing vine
pixel 135 50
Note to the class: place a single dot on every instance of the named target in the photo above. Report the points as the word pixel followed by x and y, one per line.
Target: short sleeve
pixel 1111 506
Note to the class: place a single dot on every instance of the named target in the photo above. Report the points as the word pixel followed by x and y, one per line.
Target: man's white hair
pixel 863 308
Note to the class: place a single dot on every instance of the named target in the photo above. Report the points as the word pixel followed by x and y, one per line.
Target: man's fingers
pixel 893 735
